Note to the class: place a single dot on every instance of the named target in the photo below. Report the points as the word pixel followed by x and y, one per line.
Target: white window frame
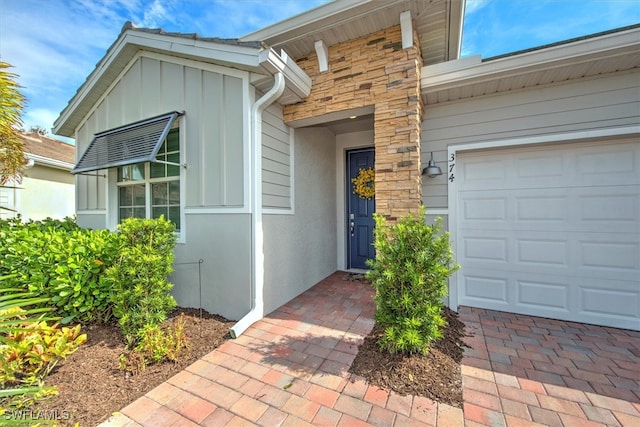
pixel 113 202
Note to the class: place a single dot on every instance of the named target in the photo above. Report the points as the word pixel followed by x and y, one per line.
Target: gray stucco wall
pixel 300 249
pixel 223 284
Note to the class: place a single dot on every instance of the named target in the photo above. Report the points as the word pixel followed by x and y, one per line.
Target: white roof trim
pixel 131 41
pixel 46 161
pixel 337 11
pixel 472 70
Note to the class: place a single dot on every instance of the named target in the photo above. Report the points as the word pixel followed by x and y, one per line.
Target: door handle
pixel 352 224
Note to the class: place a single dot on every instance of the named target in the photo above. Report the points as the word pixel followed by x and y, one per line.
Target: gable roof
pixel 248 56
pixel 48 151
pixel 437 22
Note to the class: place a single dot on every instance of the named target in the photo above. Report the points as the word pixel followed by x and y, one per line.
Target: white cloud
pixel 473 6
pixel 40 117
pixel 157 14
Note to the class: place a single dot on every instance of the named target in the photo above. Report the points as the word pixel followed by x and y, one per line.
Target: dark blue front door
pixel 360 223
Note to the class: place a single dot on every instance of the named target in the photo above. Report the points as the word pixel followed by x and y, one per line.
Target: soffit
pixel 471 77
pixel 438 23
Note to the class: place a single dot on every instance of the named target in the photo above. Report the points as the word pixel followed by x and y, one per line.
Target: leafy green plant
pixel 140 290
pixel 59 260
pixel 410 272
pixel 156 344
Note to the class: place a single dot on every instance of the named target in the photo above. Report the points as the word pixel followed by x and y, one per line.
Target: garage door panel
pixel 559 236
pixel 619 300
pixel 544 253
pixel 485 209
pixel 599 165
pixel 485 287
pixel 547 207
pixel 608 258
pixel 619 205
pixel 486 249
pixel 543 295
pixel 539 166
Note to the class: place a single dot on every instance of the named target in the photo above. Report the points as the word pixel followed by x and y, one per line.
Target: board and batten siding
pixel 276 160
pixel 605 101
pixel 212 99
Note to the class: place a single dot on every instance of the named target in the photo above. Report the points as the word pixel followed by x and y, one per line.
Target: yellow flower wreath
pixel 364 184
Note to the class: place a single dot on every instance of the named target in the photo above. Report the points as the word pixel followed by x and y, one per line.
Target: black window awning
pixel 133 143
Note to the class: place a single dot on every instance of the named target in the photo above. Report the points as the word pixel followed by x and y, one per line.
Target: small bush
pixel 140 290
pixel 413 262
pixel 156 344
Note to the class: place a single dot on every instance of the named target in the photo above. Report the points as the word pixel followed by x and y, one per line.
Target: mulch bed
pixel 91 386
pixel 435 375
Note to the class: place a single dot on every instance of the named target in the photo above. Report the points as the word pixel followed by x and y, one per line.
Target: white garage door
pixel 551 231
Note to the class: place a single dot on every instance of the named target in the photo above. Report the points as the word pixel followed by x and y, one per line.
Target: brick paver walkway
pixel 291 369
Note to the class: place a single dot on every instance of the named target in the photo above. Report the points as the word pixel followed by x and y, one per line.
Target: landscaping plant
pixel 410 274
pixel 140 289
pixel 30 345
pixel 61 261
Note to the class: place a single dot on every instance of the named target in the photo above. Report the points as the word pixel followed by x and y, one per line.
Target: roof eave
pixel 468 71
pixel 308 20
pixel 46 161
pixel 131 42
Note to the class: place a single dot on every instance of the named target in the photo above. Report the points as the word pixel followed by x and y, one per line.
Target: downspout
pixel 257 302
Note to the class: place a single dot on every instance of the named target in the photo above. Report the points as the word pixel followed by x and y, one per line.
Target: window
pixel 151 189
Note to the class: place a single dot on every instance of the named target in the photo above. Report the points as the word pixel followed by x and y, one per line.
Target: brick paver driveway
pixel 291 369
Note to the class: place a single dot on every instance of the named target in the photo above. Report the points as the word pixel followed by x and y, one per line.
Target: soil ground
pixel 91 386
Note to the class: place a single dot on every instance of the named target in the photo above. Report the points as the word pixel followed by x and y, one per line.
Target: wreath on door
pixel 364 184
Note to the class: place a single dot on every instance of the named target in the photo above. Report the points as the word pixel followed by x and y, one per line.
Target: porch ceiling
pixel 438 23
pixel 471 77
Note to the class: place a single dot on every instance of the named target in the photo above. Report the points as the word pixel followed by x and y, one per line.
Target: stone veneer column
pixel 375 70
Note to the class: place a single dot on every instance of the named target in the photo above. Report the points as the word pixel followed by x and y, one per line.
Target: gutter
pixel 47 161
pixel 257 286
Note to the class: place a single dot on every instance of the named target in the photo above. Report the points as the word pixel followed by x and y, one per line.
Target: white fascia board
pixel 46 161
pixel 319 19
pixel 304 20
pixel 132 41
pixel 463 71
pixel 297 80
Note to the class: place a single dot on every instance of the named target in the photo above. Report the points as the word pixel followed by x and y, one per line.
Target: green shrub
pixel 156 343
pixel 413 262
pixel 61 261
pixel 140 290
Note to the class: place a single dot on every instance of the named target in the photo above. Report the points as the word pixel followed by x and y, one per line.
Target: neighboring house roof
pixel 249 56
pixel 601 53
pixel 48 151
pixel 437 22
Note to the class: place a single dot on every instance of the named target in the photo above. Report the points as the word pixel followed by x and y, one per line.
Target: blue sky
pixel 55 44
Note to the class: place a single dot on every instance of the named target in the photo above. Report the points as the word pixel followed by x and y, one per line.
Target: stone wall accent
pixel 375 70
